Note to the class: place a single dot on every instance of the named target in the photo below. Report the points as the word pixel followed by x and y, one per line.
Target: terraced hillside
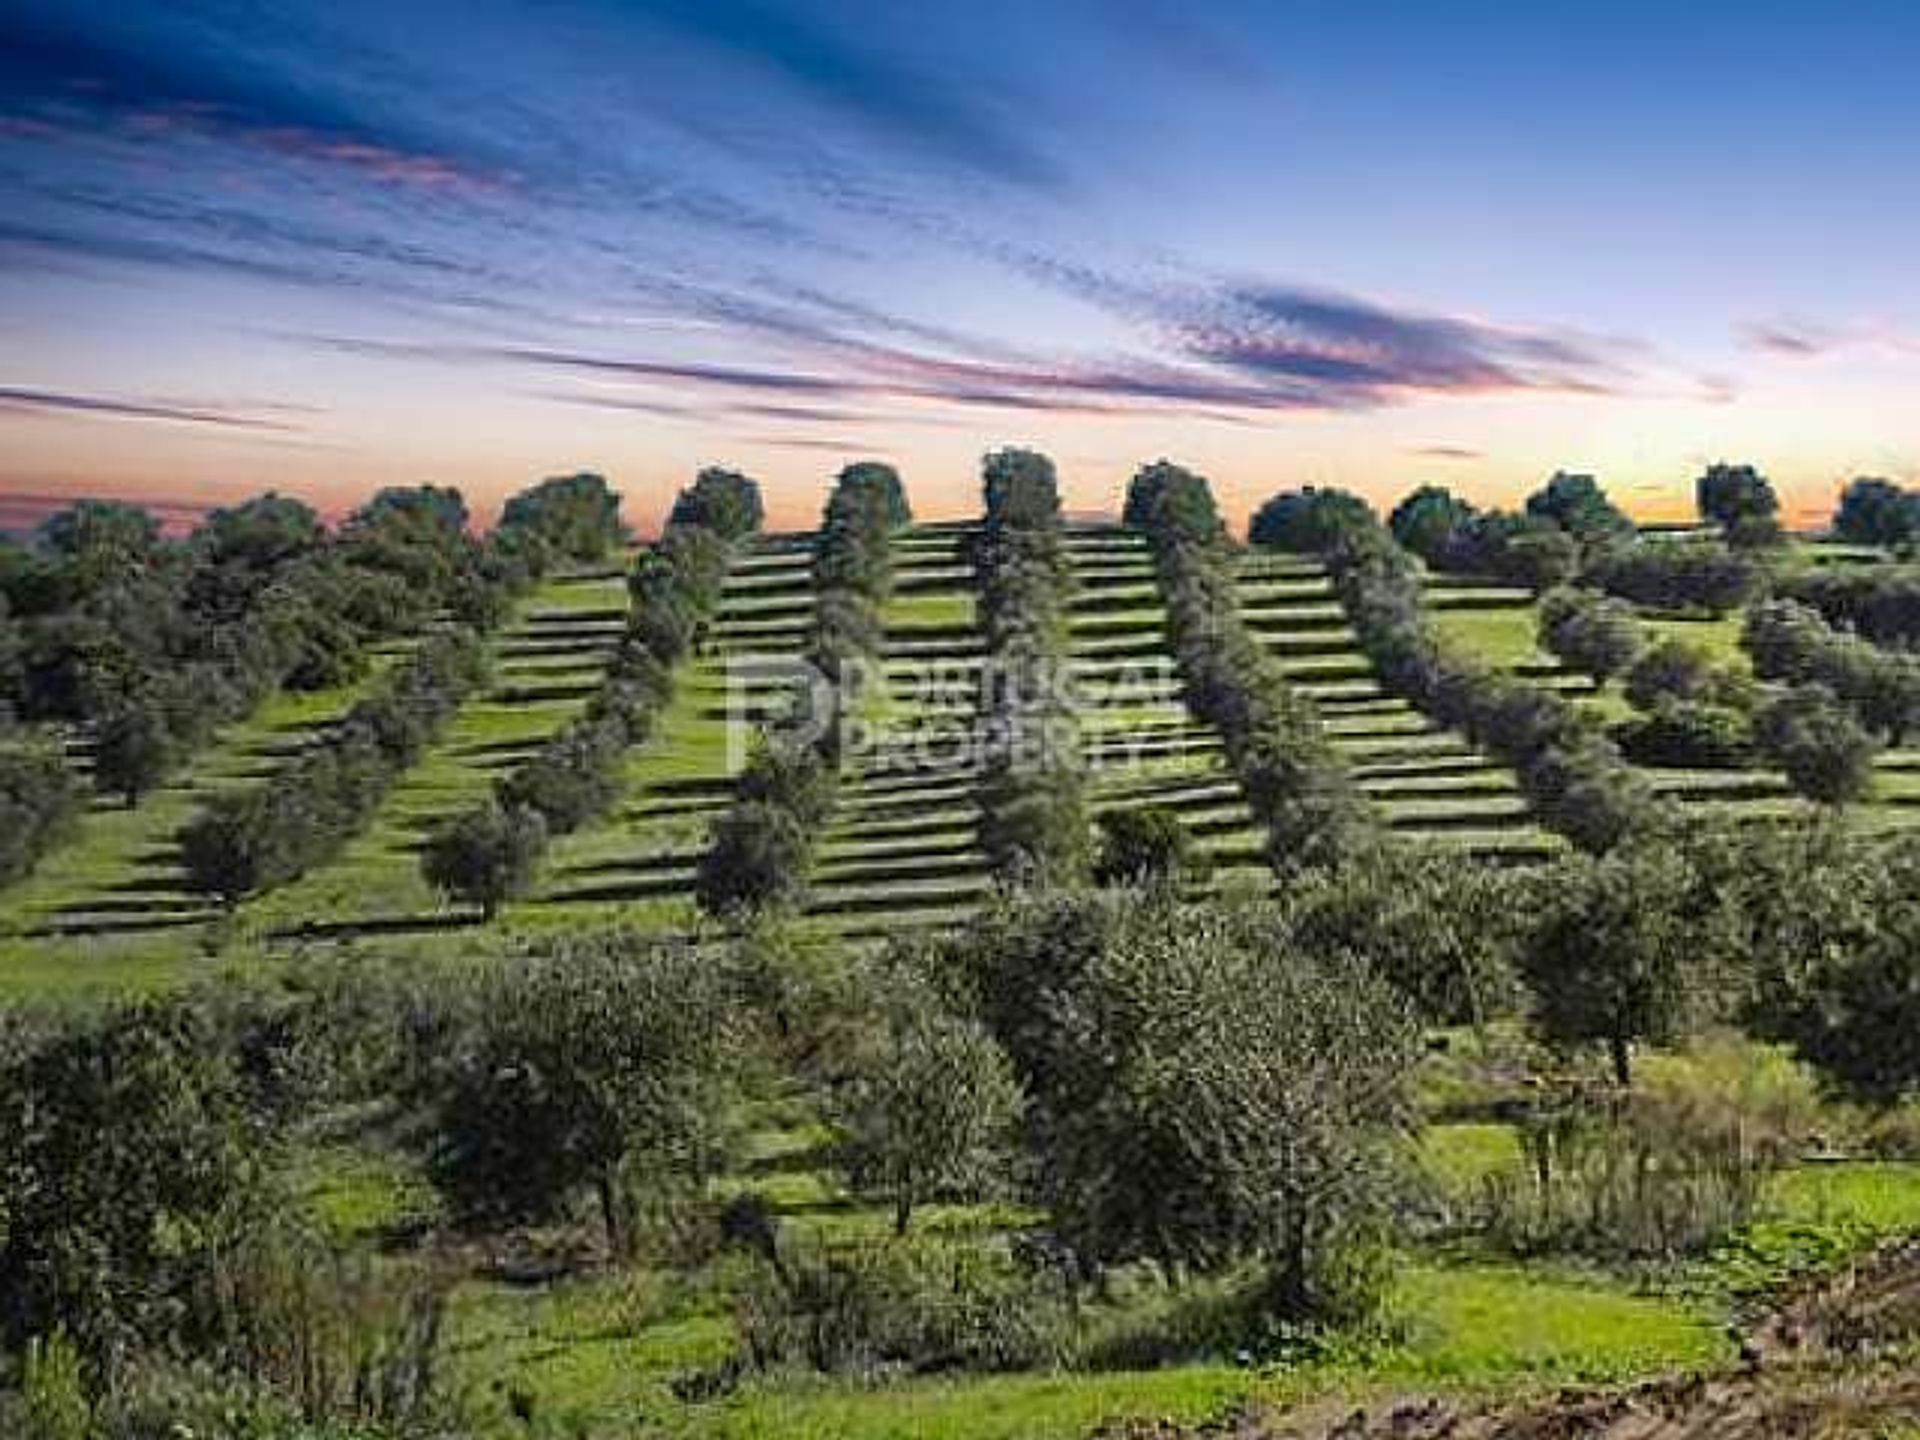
pixel 1142 746
pixel 903 847
pixel 1429 783
pixel 639 862
pixel 120 876
pixel 1500 624
pixel 547 665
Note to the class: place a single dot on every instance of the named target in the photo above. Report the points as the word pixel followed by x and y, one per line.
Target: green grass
pixel 604 1352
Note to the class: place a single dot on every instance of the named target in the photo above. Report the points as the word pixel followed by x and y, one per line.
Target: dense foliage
pixel 761 848
pixel 1198 1094
pixel 1295 783
pixel 248 840
pixel 492 853
pixel 1574 776
pixel 1873 511
pixel 1879 602
pixel 1034 824
pixel 39 804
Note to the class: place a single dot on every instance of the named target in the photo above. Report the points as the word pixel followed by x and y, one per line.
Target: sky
pixel 327 245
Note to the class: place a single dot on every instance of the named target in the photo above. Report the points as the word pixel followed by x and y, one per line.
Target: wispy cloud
pixel 1808 340
pixel 21 400
pixel 1446 452
pixel 839 66
pixel 61 73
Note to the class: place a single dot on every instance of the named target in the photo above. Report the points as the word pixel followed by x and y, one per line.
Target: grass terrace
pixel 1428 782
pixel 902 849
pixel 1141 744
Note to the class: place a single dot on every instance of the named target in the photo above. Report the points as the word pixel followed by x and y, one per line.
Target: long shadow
pixel 680 861
pixel 640 890
pixel 541 694
pixel 566 619
pixel 880 904
pixel 878 872
pixel 120 927
pixel 374 925
pixel 135 905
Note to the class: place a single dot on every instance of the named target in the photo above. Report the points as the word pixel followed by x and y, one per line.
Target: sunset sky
pixel 322 247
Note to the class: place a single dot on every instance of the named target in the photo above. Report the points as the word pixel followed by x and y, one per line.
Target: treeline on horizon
pixel 141 647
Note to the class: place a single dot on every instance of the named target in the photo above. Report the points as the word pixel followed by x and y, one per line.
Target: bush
pixel 39 804
pixel 1599 638
pixel 1147 846
pixel 1685 735
pixel 1675 670
pixel 565 1071
pixel 1669 1172
pixel 486 856
pixel 130 1160
pixel 868 1310
pixel 1309 521
pixel 1824 752
pixel 1679 575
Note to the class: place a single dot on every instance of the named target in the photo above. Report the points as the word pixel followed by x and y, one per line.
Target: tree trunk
pixel 1622 1050
pixel 610 1214
pixel 902 1212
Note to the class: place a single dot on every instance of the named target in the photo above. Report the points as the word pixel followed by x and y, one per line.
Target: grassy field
pixel 108 911
pixel 1428 783
pixel 1500 624
pixel 902 850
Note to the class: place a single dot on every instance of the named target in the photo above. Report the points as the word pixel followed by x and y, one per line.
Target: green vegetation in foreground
pixel 579 1350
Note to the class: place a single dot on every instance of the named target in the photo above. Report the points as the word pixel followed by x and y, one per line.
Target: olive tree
pixel 595 1067
pixel 925 1105
pixel 1615 957
pixel 1201 1092
pixel 486 856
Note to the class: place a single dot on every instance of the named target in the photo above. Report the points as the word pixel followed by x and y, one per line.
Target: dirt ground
pixel 1832 1360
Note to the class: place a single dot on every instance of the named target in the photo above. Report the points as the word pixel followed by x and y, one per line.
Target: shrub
pixel 1679 575
pixel 925 1104
pixel 1309 520
pixel 1675 670
pixel 1687 735
pixel 1823 750
pixel 1147 846
pixel 1671 1171
pixel 867 1310
pixel 1599 638
pixel 39 803
pixel 567 1071
pixel 130 1159
pixel 486 856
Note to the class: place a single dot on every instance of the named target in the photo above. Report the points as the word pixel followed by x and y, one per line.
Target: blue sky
pixel 326 247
